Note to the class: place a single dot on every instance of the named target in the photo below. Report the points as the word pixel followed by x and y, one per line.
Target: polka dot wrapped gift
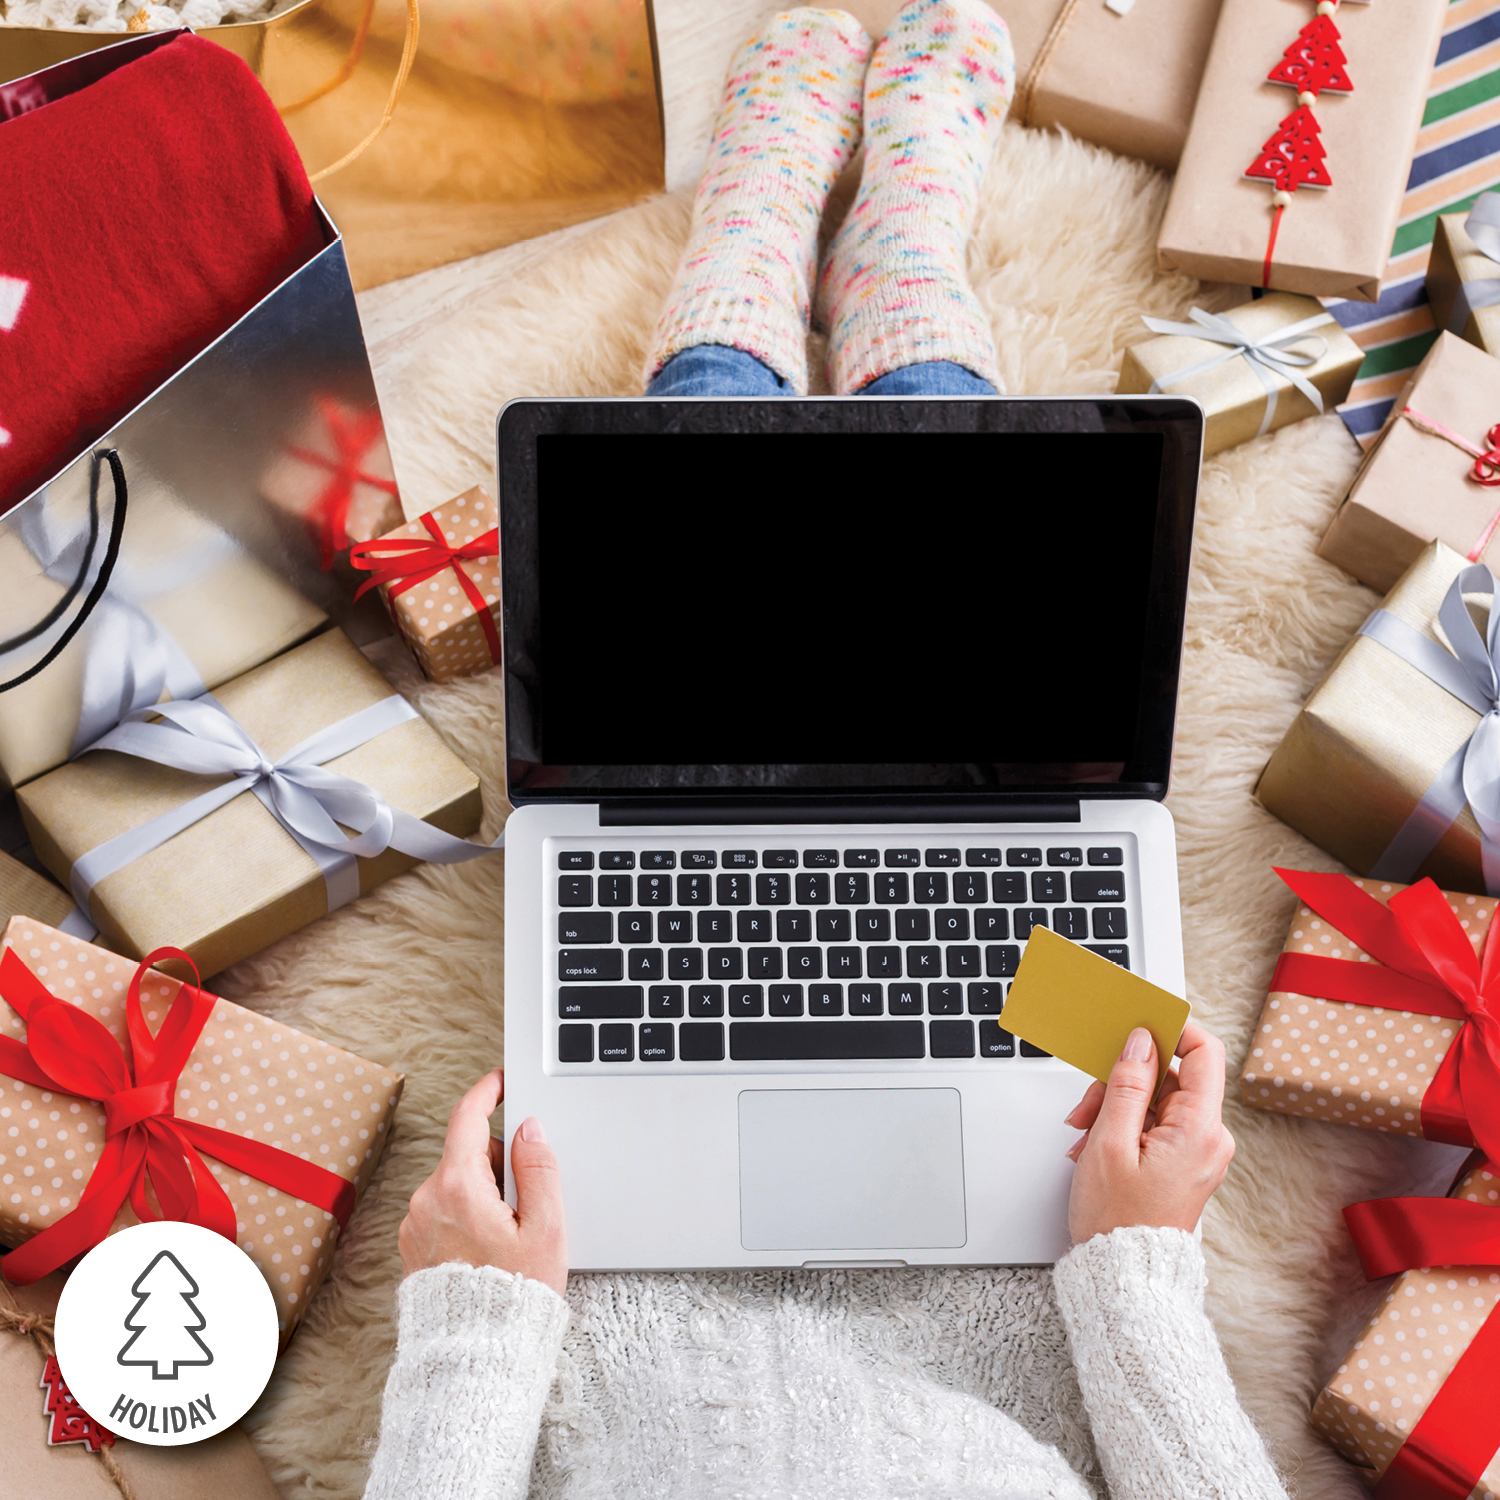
pixel 1413 1403
pixel 440 576
pixel 126 1094
pixel 1382 1012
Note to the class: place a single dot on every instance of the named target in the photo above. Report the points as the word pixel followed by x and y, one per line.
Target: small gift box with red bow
pixel 440 576
pixel 1413 1404
pixel 335 477
pixel 1432 474
pixel 133 1096
pixel 1384 1011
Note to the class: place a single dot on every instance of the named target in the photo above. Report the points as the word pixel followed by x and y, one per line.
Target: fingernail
pixel 532 1130
pixel 1138 1046
pixel 1073 1114
pixel 1073 1151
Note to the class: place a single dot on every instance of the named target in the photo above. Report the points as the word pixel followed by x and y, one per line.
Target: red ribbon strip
pixel 329 513
pixel 71 1052
pixel 1430 968
pixel 1447 1452
pixel 1265 279
pixel 414 561
pixel 1485 469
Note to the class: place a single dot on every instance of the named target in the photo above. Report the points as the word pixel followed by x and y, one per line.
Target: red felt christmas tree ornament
pixel 1294 157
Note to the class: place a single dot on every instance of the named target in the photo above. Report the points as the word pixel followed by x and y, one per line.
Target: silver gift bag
pixel 201 535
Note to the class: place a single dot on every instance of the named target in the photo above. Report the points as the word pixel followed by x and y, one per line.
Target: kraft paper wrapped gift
pixel 1463 273
pixel 1123 75
pixel 1350 1064
pixel 1428 1321
pixel 1415 485
pixel 245 1075
pixel 226 1466
pixel 1372 739
pixel 1329 243
pixel 440 578
pixel 185 608
pixel 234 881
pixel 24 893
pixel 1244 392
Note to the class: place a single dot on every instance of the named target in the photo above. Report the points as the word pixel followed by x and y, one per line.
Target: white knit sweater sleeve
pixel 476 1350
pixel 1167 1423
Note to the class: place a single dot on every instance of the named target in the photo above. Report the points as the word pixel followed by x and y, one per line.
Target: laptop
pixel 815 710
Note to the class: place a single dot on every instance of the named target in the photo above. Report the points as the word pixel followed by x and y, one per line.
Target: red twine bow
pixel 414 561
pixel 1428 965
pixel 1447 1452
pixel 329 513
pixel 71 1052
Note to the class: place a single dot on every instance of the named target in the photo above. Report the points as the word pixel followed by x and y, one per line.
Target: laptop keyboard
pixel 760 954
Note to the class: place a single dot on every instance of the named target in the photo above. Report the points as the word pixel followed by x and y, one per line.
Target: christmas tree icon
pixel 1315 61
pixel 1293 157
pixel 164 1322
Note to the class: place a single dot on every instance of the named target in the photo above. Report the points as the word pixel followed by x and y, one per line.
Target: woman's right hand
pixel 460 1214
pixel 1155 1167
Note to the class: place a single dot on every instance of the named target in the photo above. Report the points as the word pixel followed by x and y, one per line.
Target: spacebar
pixel 818 1041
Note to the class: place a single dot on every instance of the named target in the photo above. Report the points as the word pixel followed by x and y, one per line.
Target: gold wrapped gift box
pixel 341 1121
pixel 1420 1331
pixel 1370 740
pixel 1415 486
pixel 1233 395
pixel 1456 261
pixel 235 881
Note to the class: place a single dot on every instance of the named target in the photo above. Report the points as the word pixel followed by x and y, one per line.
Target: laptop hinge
pixel 675 811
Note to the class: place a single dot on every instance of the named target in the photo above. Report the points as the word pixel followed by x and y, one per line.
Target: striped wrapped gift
pixel 1457 158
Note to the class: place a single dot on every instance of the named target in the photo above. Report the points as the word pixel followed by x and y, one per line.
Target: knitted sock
pixel 788 126
pixel 894 291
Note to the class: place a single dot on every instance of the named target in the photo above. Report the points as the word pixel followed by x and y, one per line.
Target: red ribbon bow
pixel 1486 468
pixel 71 1052
pixel 329 513
pixel 1447 1452
pixel 1429 966
pixel 413 561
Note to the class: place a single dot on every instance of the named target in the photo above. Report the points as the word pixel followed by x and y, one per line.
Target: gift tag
pixel 166 1333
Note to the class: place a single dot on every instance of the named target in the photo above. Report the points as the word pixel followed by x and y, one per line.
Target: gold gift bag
pixel 517 116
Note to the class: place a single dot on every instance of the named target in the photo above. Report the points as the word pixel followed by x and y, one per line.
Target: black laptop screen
pixel 809 610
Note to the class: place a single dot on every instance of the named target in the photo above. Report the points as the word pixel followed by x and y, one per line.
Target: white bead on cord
pixel 1280 198
pixel 1327 7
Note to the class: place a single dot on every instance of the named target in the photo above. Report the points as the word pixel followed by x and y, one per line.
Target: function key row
pixel 830 859
pixel 853 888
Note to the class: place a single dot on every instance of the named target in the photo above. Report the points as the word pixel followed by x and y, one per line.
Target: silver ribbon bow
pixel 1471 672
pixel 306 798
pixel 1267 354
pixel 1483 227
pixel 130 661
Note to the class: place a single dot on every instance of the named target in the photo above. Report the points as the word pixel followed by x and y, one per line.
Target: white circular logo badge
pixel 166 1333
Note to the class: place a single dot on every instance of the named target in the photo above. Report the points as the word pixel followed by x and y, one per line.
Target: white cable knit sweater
pixel 869 1385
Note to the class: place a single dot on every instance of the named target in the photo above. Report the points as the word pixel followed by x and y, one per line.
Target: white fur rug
pixel 412 976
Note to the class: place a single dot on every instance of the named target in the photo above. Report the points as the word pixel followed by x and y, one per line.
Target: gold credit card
pixel 1081 1007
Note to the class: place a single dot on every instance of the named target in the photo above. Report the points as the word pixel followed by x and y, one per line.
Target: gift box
pixel 25 893
pixel 1406 1396
pixel 1246 206
pixel 334 475
pixel 290 1128
pixel 1336 1041
pixel 1120 75
pixel 1426 476
pixel 440 578
pixel 1258 367
pixel 1372 768
pixel 185 608
pixel 53 1451
pixel 234 878
pixel 1463 274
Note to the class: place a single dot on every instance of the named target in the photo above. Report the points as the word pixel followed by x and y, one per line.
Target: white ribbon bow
pixel 130 661
pixel 1471 672
pixel 1266 354
pixel 1483 227
pixel 307 799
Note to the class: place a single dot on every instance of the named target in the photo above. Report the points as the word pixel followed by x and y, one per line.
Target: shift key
pixel 585 964
pixel 614 1002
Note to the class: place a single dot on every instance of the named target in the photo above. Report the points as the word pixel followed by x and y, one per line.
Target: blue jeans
pixel 718 370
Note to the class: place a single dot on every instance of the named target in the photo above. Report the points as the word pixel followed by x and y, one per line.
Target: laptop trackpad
pixel 851 1169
